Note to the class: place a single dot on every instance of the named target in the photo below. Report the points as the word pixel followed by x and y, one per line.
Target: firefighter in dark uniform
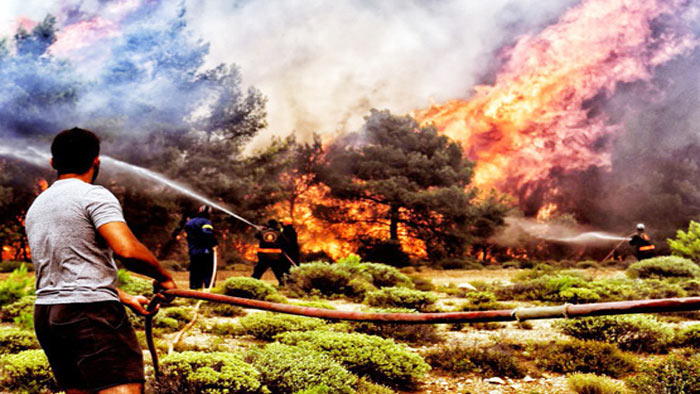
pixel 643 248
pixel 201 243
pixel 271 247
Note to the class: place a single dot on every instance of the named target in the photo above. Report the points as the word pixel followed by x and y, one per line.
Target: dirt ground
pixel 438 383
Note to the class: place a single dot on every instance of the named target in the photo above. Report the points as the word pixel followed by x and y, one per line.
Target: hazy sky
pixel 324 64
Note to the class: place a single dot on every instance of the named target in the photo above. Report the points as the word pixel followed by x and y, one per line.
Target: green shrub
pixel 637 333
pixel 134 284
pixel 383 275
pixel 583 356
pixel 486 360
pixel 169 319
pixel 314 304
pixel 664 267
pixel 13 340
pixel 689 336
pixel 585 383
pixel 687 244
pixel 16 286
pixel 420 283
pixel 25 321
pixel 415 333
pixel 27 372
pixel 288 369
pixel 225 310
pixel 246 287
pixel 208 373
pixel 22 306
pixel 328 280
pixel 402 297
pixel 547 286
pixel 482 301
pixel 382 360
pixel 266 325
pixel 672 375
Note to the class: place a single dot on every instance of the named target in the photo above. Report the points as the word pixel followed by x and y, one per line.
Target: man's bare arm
pixel 135 256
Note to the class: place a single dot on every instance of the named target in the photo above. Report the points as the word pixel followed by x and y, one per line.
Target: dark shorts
pixel 90 346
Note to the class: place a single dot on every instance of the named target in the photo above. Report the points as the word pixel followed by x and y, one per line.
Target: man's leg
pixel 195 272
pixel 260 268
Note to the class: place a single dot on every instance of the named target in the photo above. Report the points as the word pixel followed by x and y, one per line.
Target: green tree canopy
pixel 420 177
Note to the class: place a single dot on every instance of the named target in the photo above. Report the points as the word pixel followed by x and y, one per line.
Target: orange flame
pixel 534 118
pixel 340 239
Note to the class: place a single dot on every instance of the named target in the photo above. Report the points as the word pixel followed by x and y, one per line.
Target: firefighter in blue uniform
pixel 643 248
pixel 271 247
pixel 201 244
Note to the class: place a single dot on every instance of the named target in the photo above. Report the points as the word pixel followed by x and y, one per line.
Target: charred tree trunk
pixel 394 225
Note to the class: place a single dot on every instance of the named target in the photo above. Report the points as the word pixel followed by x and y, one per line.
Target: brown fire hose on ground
pixel 518 314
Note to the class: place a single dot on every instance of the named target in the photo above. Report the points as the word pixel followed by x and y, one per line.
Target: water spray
pixel 36 157
pixel 173 185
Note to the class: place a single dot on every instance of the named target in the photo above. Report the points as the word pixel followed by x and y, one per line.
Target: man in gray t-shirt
pixel 73 229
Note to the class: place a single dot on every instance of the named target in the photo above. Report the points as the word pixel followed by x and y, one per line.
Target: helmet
pixel 640 227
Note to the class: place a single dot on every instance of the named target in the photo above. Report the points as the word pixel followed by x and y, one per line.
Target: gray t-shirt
pixel 72 261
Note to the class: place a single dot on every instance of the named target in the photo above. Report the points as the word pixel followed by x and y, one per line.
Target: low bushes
pixel 349 277
pixel 266 325
pixel 583 356
pixel 482 301
pixel 16 286
pixel 689 336
pixel 27 372
pixel 385 276
pixel 245 287
pixel 24 305
pixel 664 267
pixel 486 360
pixel 225 310
pixel 637 333
pixel 290 369
pixel 674 375
pixel 401 297
pixel 327 280
pixel 173 318
pixel 382 360
pixel 13 340
pixel 207 373
pixel 585 383
pixel 415 333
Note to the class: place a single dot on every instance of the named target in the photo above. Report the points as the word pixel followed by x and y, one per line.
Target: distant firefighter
pixel 290 235
pixel 271 247
pixel 643 247
pixel 201 243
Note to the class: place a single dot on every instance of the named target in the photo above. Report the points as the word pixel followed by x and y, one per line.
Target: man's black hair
pixel 74 151
pixel 272 223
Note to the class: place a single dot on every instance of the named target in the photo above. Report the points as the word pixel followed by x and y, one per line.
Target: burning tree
pixel 417 181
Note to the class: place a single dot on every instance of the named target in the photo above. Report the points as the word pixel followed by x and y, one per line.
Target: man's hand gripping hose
pixel 160 297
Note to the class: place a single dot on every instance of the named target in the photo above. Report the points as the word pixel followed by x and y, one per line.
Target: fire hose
pixel 518 314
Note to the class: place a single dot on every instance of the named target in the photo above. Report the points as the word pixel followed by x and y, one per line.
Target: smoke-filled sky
pixel 321 64
pixel 140 65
